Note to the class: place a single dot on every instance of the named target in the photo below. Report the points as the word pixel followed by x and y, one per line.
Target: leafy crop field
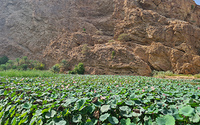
pixel 98 100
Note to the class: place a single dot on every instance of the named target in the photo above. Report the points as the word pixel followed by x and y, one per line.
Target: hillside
pixel 162 34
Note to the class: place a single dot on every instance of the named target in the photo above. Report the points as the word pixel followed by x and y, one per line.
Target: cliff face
pixel 164 34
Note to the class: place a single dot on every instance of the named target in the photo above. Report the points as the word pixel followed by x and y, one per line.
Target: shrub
pixel 113 54
pixel 24 66
pixel 55 68
pixel 124 37
pixel 14 67
pixel 111 41
pixel 85 49
pixel 84 29
pixel 39 66
pixel 4 60
pixel 78 69
pixel 99 32
pixel 192 7
pixel 3 67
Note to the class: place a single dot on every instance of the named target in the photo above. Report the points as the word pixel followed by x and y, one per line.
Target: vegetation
pixel 124 37
pixel 27 73
pixel 55 68
pixel 100 100
pixel 22 64
pixel 113 54
pixel 111 41
pixel 3 60
pixel 84 29
pixel 78 69
pixel 85 49
pixel 192 7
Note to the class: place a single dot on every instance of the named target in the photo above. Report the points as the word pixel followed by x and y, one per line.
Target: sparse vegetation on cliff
pixel 124 37
pixel 113 54
pixel 85 49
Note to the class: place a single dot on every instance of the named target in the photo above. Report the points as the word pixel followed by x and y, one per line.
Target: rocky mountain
pixel 162 34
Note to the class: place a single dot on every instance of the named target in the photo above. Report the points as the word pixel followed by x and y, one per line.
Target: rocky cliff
pixel 163 34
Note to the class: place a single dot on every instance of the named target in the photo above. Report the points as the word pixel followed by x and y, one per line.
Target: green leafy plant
pixel 192 7
pixel 55 68
pixel 4 60
pixel 24 66
pixel 78 69
pixel 113 54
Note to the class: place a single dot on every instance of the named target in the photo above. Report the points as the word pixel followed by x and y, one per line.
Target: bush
pixel 39 66
pixel 4 60
pixel 24 66
pixel 3 67
pixel 78 69
pixel 14 67
pixel 124 37
pixel 55 68
pixel 85 49
pixel 111 41
pixel 113 54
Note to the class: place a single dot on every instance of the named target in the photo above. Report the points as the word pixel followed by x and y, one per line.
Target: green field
pixel 27 73
pixel 98 100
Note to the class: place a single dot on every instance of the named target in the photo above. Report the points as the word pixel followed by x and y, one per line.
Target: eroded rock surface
pixel 164 34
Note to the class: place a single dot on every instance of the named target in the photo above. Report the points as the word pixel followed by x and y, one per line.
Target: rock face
pixel 164 34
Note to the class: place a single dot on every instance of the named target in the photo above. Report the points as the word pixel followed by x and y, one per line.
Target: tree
pixel 25 58
pixel 78 69
pixel 24 66
pixel 11 62
pixel 4 60
pixel 17 60
pixel 55 68
pixel 3 66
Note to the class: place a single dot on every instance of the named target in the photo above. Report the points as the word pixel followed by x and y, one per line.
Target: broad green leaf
pixel 195 118
pixel 62 122
pixel 104 117
pixel 27 105
pixel 186 111
pixel 166 120
pixel 77 118
pixel 130 103
pixel 113 120
pixel 80 103
pixel 105 108
pixel 125 121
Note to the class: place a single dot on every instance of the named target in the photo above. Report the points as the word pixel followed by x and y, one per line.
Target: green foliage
pixel 84 29
pixel 39 66
pixel 3 67
pixel 192 7
pixel 64 64
pixel 24 66
pixel 124 37
pixel 14 67
pixel 25 58
pixel 78 69
pixel 92 100
pixel 27 73
pixel 3 60
pixel 55 68
pixel 113 54
pixel 111 41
